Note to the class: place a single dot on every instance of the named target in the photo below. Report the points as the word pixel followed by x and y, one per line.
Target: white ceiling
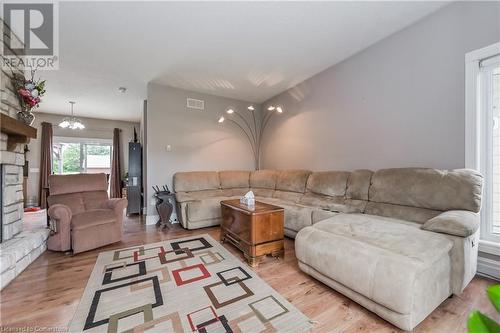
pixel 244 50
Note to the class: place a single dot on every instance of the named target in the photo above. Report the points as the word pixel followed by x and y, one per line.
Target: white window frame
pixel 476 130
pixel 76 139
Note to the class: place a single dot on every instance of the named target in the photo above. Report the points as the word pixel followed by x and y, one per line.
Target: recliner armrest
pixel 116 204
pixel 461 223
pixel 60 212
pixel 60 239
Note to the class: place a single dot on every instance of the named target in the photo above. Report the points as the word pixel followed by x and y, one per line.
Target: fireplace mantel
pixel 16 130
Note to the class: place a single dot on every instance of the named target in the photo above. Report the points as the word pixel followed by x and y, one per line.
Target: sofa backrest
pixel 263 182
pixel 80 192
pixel 428 188
pixel 329 183
pixel 420 193
pixel 263 179
pixel 82 182
pixel 196 181
pixel 291 185
pixel 292 180
pixel 414 194
pixel 358 184
pixel 234 179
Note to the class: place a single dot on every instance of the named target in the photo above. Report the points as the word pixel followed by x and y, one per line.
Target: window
pixel 489 98
pixel 78 155
pixel 483 134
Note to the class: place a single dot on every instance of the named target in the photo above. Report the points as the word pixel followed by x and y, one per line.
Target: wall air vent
pixel 195 104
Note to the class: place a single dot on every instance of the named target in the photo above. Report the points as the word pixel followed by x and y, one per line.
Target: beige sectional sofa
pixel 397 241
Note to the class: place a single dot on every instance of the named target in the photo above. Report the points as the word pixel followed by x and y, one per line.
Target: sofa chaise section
pixel 414 245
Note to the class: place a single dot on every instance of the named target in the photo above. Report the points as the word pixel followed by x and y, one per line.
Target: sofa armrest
pixel 60 238
pixel 116 204
pixel 461 223
pixel 60 213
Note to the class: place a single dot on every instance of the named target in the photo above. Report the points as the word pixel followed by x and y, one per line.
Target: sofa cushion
pixel 292 180
pixel 359 184
pixel 322 201
pixel 414 214
pixel 234 179
pixel 377 257
pixel 205 209
pixel 330 183
pixel 263 179
pixel 321 214
pixel 428 188
pixel 196 181
pixel 200 195
pixel 263 192
pixel 296 216
pixel 92 218
pixel 460 223
pixel 290 197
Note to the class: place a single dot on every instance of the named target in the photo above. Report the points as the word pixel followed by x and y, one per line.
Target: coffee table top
pixel 258 208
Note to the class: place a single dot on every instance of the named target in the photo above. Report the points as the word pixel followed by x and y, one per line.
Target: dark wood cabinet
pixel 134 186
pixel 257 231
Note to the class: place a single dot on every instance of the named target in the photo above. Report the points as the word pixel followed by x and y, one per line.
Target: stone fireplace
pixel 19 247
pixel 11 177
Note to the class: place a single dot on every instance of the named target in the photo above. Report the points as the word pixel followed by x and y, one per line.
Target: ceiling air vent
pixel 196 104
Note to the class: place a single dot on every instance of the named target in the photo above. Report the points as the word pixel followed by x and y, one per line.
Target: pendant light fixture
pixel 72 122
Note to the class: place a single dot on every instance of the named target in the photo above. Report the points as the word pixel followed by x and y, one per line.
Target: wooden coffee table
pixel 257 230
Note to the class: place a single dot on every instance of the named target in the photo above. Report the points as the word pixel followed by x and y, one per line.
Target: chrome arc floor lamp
pixel 251 125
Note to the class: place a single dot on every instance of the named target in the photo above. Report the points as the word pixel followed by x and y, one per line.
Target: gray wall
pixel 197 141
pixel 398 103
pixel 94 128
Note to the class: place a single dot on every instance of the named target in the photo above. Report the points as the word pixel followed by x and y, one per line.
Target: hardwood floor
pixel 47 293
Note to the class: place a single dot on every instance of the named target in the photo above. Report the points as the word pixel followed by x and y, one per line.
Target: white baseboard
pixel 489 247
pixel 152 219
pixel 488 267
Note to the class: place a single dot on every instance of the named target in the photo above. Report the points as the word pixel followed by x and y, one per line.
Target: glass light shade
pixel 251 108
pixel 221 120
pixel 71 123
pixel 229 111
pixel 270 108
pixel 64 123
pixel 279 109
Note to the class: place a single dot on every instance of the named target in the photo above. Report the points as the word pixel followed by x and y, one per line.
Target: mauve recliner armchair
pixel 85 218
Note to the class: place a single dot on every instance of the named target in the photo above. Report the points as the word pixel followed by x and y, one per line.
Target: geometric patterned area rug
pixel 188 284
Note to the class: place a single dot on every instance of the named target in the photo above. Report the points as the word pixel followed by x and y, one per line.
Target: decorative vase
pixel 26 117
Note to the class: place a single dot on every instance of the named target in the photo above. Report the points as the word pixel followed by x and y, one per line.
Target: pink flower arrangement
pixel 30 91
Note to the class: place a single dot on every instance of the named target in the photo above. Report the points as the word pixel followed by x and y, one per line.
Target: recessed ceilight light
pixel 221 119
pixel 251 108
pixel 122 89
pixel 229 111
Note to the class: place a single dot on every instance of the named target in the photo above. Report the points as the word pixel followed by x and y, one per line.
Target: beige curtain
pixel 115 182
pixel 45 163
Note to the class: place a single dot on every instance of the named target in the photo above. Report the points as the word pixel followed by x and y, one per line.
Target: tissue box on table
pixel 248 199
